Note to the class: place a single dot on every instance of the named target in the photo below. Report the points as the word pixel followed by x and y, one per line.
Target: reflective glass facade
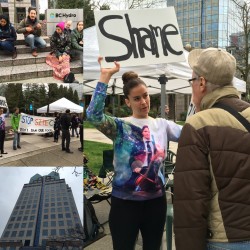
pixel 205 23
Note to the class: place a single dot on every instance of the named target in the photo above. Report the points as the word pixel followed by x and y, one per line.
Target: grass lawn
pixel 87 124
pixel 93 151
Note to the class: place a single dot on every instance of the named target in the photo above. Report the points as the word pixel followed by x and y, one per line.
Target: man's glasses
pixel 191 80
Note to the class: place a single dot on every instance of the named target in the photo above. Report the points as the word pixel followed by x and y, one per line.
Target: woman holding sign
pixel 138 201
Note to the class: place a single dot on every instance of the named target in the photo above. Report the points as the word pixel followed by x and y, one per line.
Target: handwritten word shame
pixel 141 39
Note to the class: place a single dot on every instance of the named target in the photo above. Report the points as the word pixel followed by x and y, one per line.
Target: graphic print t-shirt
pixel 140 147
pixel 2 122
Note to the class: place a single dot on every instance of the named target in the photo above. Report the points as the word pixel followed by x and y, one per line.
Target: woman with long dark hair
pixel 7 36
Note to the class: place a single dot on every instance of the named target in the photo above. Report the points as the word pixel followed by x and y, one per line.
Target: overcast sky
pixel 12 180
pixel 43 6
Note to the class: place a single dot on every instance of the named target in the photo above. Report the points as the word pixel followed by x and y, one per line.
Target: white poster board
pixel 139 37
pixel 3 102
pixel 54 16
pixel 36 124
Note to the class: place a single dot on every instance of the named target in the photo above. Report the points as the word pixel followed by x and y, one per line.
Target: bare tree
pixel 240 41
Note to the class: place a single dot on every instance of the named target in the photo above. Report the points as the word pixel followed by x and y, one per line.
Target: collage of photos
pixel 41 125
pixel 166 125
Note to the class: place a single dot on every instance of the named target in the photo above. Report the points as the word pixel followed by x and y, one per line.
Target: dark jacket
pixel 65 121
pixel 8 32
pixel 212 177
pixel 27 22
pixel 76 37
pixel 60 44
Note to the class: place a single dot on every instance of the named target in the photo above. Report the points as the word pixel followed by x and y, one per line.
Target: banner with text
pixel 3 102
pixel 35 124
pixel 138 37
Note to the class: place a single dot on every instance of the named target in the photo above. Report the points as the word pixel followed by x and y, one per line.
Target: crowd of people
pixel 67 125
pixel 66 44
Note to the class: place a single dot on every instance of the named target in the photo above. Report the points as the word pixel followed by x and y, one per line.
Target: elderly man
pixel 212 178
pixel 31 29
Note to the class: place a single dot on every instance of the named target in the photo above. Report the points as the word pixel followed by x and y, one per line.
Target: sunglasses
pixel 191 80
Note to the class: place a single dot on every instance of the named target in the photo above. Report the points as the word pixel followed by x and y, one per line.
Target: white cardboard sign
pixel 3 102
pixel 139 37
pixel 36 124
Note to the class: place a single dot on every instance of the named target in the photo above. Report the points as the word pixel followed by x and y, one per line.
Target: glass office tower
pixel 45 211
pixel 205 23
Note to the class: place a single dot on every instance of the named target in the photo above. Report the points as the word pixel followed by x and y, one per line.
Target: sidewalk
pixel 37 150
pixel 102 208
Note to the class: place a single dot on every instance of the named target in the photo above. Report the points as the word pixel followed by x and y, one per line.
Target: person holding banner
pixel 2 132
pixel 133 209
pixel 15 119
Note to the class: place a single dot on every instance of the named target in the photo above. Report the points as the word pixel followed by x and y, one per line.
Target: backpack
pixel 91 223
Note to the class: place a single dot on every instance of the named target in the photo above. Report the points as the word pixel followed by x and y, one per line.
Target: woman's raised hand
pixel 106 73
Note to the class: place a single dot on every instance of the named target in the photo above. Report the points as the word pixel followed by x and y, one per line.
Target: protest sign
pixel 35 124
pixel 3 102
pixel 138 37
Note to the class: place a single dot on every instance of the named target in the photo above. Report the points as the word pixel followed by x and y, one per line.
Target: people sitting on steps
pixel 77 42
pixel 59 58
pixel 31 28
pixel 7 36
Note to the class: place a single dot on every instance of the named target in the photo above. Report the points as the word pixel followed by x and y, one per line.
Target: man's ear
pixel 202 84
pixel 127 102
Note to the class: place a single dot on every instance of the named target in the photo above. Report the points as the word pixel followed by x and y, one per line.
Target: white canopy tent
pixel 60 106
pixel 177 73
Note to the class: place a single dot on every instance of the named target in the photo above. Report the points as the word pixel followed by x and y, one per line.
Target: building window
pixel 9 226
pixel 61 231
pixel 45 216
pixel 33 211
pixel 68 215
pixel 66 203
pixel 59 204
pixel 25 217
pixel 45 232
pixel 52 216
pixel 30 225
pixel 52 204
pixel 45 224
pixel 29 233
pixel 52 210
pixel 59 209
pixel 61 223
pixel 16 225
pixel 46 210
pixel 60 216
pixel 32 217
pixel 53 231
pixel 27 211
pixel 12 218
pixel 69 223
pixel 23 225
pixel 21 233
pixel 13 234
pixel 53 223
pixel 6 234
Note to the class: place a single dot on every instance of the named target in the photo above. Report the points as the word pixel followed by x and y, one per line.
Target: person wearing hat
pixel 212 175
pixel 7 36
pixel 31 29
pixel 59 58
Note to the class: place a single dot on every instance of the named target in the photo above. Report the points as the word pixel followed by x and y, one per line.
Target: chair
pixel 169 166
pixel 107 167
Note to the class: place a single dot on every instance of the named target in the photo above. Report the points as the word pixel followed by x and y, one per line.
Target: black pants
pixel 127 218
pixel 2 137
pixel 65 136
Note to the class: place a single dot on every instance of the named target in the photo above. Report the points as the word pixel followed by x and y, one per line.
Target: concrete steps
pixel 32 71
pixel 25 66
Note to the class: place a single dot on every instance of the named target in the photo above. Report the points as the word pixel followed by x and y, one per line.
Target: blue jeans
pixel 242 245
pixel 16 139
pixel 35 41
pixel 7 45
